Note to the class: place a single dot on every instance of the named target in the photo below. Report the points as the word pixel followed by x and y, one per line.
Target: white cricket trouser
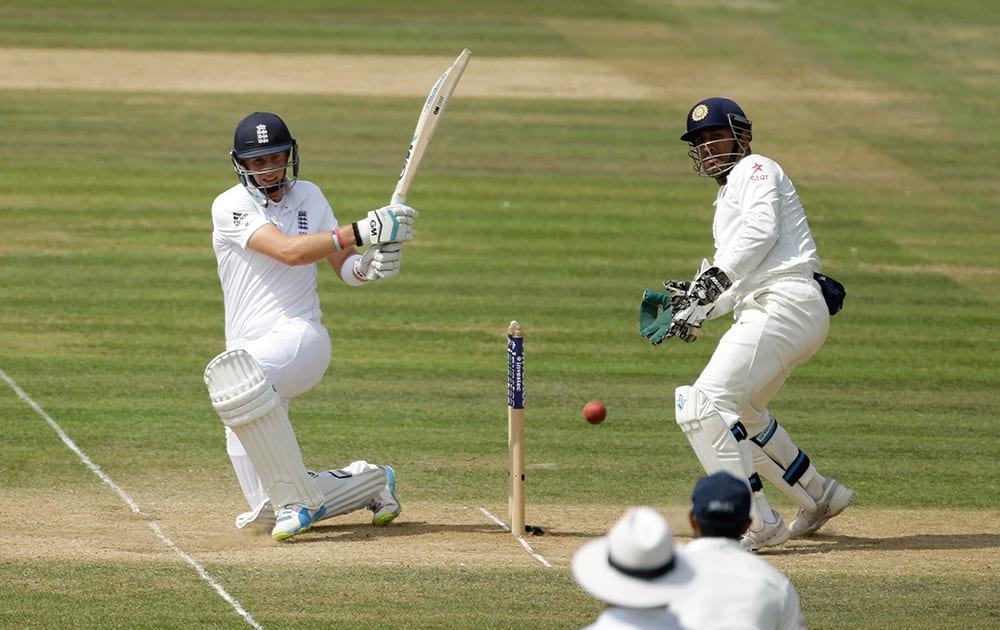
pixel 777 328
pixel 294 355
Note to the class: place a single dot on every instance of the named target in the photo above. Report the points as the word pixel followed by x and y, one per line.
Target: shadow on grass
pixel 324 532
pixel 826 543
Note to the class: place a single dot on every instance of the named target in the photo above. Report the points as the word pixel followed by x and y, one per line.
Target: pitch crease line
pixel 521 539
pixel 152 524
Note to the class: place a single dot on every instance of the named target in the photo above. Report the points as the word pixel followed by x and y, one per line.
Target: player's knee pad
pixel 716 444
pixel 249 405
pixel 782 463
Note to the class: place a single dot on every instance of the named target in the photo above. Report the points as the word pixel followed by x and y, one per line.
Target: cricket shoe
pixel 770 535
pixel 832 502
pixel 262 515
pixel 295 519
pixel 385 507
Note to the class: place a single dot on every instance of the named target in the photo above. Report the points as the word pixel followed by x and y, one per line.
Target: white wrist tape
pixel 347 271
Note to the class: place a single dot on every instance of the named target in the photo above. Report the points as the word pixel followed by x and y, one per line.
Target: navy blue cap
pixel 721 501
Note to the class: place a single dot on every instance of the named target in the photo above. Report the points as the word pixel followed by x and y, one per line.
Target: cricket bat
pixel 434 107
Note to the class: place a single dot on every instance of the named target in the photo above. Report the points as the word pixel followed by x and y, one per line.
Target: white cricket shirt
pixel 734 589
pixel 615 618
pixel 258 290
pixel 760 229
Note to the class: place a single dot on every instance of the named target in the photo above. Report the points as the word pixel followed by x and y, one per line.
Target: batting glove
pixel 388 224
pixel 380 261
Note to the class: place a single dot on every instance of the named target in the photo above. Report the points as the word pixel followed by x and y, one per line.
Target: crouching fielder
pixel 269 232
pixel 766 272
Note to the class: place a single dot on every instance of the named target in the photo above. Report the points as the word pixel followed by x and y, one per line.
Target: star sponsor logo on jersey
pixel 239 219
pixel 758 168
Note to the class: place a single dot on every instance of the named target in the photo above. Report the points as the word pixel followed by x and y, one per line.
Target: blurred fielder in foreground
pixel 732 588
pixel 637 571
pixel 766 272
pixel 270 230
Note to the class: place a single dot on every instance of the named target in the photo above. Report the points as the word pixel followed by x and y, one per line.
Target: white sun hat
pixel 636 565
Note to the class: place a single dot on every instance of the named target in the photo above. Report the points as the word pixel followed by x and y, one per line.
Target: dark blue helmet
pixel 716 112
pixel 259 134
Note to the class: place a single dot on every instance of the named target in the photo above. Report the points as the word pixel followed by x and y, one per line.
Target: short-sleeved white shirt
pixel 734 589
pixel 615 618
pixel 259 291
pixel 760 229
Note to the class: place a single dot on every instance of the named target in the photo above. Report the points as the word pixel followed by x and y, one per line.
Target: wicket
pixel 515 426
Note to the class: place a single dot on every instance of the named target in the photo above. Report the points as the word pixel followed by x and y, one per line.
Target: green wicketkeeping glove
pixel 655 316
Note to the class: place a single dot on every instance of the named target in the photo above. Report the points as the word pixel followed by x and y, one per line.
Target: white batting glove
pixel 388 224
pixel 380 261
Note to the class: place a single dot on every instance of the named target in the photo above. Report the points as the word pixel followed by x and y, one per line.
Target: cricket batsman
pixel 270 231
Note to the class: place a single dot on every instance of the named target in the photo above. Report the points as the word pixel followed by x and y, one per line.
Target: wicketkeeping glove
pixel 691 310
pixel 380 261
pixel 388 224
pixel 677 289
pixel 655 316
pixel 686 323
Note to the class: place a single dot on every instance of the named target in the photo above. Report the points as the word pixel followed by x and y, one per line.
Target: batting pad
pixel 345 492
pixel 710 437
pixel 249 404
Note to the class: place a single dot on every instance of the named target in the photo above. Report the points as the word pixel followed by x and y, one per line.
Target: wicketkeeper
pixel 765 271
pixel 270 230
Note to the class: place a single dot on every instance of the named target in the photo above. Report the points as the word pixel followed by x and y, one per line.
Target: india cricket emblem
pixel 699 112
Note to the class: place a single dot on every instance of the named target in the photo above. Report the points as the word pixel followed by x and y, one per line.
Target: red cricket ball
pixel 595 412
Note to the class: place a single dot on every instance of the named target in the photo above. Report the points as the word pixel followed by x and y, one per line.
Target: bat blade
pixel 434 106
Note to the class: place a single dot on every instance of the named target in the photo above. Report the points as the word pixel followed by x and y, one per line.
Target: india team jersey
pixel 258 290
pixel 760 227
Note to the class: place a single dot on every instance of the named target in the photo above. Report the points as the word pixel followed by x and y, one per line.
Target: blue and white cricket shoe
pixel 295 519
pixel 385 507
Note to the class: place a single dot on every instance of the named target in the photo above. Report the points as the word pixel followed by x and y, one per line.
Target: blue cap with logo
pixel 721 501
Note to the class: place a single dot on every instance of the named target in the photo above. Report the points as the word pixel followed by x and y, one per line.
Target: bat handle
pixel 397 198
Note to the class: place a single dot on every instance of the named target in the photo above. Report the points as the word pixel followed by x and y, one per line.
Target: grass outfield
pixel 556 210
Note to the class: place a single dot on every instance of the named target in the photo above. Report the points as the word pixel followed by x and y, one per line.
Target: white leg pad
pixel 344 491
pixel 246 474
pixel 776 457
pixel 770 470
pixel 710 437
pixel 248 403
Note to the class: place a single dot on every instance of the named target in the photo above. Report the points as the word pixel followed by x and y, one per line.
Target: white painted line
pixel 130 502
pixel 524 542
